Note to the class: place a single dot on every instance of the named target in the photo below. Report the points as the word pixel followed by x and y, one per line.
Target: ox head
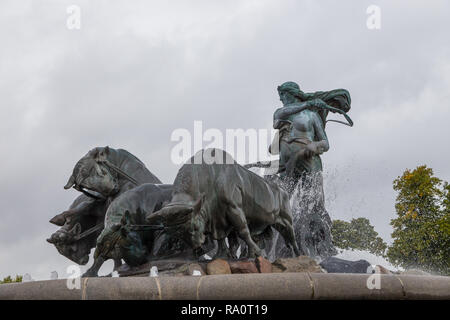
pixel 67 244
pixel 92 172
pixel 183 220
pixel 120 241
pixel 134 251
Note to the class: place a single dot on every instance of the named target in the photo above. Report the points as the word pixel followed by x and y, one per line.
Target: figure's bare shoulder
pixel 276 114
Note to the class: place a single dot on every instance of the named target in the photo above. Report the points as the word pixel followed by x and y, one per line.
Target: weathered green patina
pixel 301 124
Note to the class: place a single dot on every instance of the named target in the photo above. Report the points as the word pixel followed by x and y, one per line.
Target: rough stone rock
pixel 263 265
pixel 298 264
pixel 184 270
pixel 383 270
pixel 195 267
pixel 243 266
pixel 336 265
pixel 218 266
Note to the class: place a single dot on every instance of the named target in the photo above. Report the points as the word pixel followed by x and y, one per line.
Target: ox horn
pixel 70 183
pixel 59 219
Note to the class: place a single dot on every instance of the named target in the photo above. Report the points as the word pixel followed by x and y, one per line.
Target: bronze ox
pixel 213 195
pixel 102 175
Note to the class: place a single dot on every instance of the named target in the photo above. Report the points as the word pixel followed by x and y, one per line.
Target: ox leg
pixel 222 250
pixel 93 271
pixel 233 241
pixel 237 218
pixel 243 245
pixel 287 232
pixel 244 250
pixel 117 264
pixel 260 240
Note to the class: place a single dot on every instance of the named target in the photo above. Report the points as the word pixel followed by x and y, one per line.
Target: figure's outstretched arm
pixel 284 112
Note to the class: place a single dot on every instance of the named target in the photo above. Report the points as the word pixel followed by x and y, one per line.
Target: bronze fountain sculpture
pixel 126 213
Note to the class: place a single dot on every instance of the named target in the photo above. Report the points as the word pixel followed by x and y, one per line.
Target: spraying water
pixel 311 222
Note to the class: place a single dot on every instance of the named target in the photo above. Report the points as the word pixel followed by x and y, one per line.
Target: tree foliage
pixel 358 234
pixel 8 279
pixel 422 226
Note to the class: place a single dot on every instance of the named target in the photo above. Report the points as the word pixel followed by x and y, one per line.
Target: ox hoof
pixel 255 254
pixel 123 268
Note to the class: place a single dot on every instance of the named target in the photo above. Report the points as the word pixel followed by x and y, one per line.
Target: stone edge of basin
pixel 274 286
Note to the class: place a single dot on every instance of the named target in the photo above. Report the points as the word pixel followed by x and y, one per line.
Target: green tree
pixel 358 234
pixel 422 227
pixel 8 279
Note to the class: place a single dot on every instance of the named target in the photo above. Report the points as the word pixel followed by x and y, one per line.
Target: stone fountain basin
pixel 270 286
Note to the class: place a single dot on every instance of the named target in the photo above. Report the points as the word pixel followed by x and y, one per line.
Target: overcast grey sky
pixel 137 70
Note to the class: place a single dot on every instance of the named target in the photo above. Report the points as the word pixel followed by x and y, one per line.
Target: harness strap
pixel 90 231
pixel 119 171
pixel 144 227
pixel 91 195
